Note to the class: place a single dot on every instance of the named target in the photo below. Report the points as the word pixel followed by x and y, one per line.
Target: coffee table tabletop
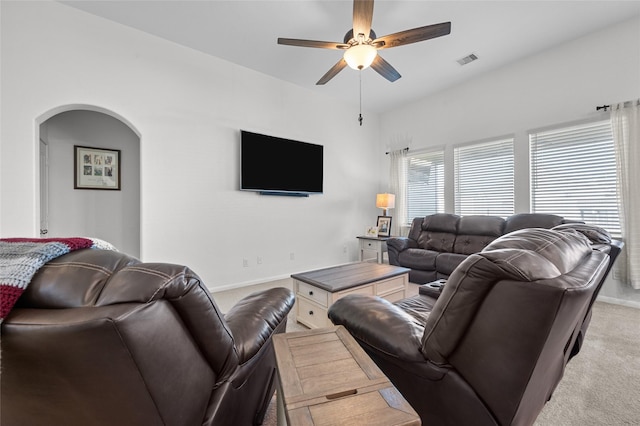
pixel 325 377
pixel 342 277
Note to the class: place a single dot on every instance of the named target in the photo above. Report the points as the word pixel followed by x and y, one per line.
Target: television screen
pixel 275 165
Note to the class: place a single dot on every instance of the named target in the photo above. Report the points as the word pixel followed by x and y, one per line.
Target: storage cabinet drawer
pixel 366 290
pixel 394 297
pixel 390 286
pixel 313 293
pixel 311 314
pixel 368 245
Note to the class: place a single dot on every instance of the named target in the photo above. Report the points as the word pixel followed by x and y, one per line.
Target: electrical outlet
pixel 245 263
pixel 259 260
pixel 616 274
pixel 292 256
pixel 344 249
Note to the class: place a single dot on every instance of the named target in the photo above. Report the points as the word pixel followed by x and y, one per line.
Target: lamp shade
pixel 360 56
pixel 385 201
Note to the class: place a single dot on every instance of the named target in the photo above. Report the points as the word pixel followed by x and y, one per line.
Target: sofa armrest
pixel 254 319
pixel 401 243
pixel 395 245
pixel 379 325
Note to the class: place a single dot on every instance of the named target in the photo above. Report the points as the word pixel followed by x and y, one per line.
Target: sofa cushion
pixel 561 248
pixel 476 232
pixel 419 307
pixel 531 220
pixel 416 228
pixel 595 234
pixel 74 280
pixel 442 222
pixel 481 225
pixel 469 244
pixel 418 276
pixel 418 259
pixel 438 241
pixel 439 232
pixel 447 262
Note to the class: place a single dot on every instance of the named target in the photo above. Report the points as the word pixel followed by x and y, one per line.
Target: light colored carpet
pixel 601 385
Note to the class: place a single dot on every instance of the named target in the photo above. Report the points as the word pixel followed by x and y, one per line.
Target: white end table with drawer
pixel 317 290
pixel 377 244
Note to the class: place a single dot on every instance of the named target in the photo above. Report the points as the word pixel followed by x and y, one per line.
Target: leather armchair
pixel 99 338
pixel 493 347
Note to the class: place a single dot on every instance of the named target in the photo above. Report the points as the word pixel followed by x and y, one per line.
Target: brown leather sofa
pixel 99 338
pixel 438 243
pixel 493 347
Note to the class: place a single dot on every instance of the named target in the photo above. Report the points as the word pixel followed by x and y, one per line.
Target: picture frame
pixel 372 232
pixel 384 226
pixel 96 168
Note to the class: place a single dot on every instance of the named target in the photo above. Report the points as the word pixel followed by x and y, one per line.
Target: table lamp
pixel 385 201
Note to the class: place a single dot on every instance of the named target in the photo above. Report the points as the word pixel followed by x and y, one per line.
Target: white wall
pixel 110 215
pixel 560 85
pixel 188 109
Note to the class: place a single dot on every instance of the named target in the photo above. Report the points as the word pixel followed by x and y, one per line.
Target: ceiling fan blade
pixel 413 35
pixel 332 72
pixel 312 43
pixel 385 69
pixel 362 17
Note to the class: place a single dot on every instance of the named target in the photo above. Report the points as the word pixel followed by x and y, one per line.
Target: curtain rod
pixel 404 149
pixel 626 103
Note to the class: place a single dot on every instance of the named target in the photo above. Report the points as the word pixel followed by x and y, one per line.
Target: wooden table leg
pixel 280 414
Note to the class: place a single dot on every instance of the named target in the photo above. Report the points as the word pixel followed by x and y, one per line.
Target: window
pixel 425 184
pixel 483 174
pixel 573 174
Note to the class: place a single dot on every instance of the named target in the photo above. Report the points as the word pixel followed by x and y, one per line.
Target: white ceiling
pixel 245 33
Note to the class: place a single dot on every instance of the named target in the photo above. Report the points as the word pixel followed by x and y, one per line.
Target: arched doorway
pixel 111 215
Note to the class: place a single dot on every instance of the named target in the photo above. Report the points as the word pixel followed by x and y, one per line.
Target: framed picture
pixel 372 231
pixel 96 168
pixel 384 226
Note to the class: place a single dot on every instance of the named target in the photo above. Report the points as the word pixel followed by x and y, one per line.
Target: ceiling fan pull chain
pixel 360 115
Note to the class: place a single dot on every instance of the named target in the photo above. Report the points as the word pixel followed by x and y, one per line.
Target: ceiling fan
pixel 361 44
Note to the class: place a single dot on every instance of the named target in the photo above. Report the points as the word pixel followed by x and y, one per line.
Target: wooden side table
pixel 377 244
pixel 325 377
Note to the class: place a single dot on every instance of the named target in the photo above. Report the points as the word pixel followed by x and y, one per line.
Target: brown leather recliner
pixel 492 348
pixel 99 338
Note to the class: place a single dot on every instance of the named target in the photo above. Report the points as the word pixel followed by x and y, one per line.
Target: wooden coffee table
pixel 325 377
pixel 317 290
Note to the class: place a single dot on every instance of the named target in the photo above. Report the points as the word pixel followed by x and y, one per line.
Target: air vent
pixel 467 59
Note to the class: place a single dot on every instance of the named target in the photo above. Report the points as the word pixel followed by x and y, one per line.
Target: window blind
pixel 483 174
pixel 573 174
pixel 425 184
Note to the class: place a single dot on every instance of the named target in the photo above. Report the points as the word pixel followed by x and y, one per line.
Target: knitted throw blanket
pixel 21 258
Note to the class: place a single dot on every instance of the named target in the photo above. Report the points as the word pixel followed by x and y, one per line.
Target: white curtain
pixel 398 186
pixel 625 121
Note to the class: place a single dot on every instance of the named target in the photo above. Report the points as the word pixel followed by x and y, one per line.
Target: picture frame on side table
pixel 372 231
pixel 384 226
pixel 96 168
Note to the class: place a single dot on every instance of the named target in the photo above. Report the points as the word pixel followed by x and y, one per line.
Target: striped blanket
pixel 20 259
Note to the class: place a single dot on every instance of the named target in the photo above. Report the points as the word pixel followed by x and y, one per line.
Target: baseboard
pixel 614 301
pixel 263 280
pixel 244 284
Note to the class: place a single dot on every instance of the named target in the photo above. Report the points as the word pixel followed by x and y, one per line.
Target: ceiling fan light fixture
pixel 360 56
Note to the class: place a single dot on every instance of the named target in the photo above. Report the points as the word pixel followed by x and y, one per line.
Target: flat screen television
pixel 278 166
